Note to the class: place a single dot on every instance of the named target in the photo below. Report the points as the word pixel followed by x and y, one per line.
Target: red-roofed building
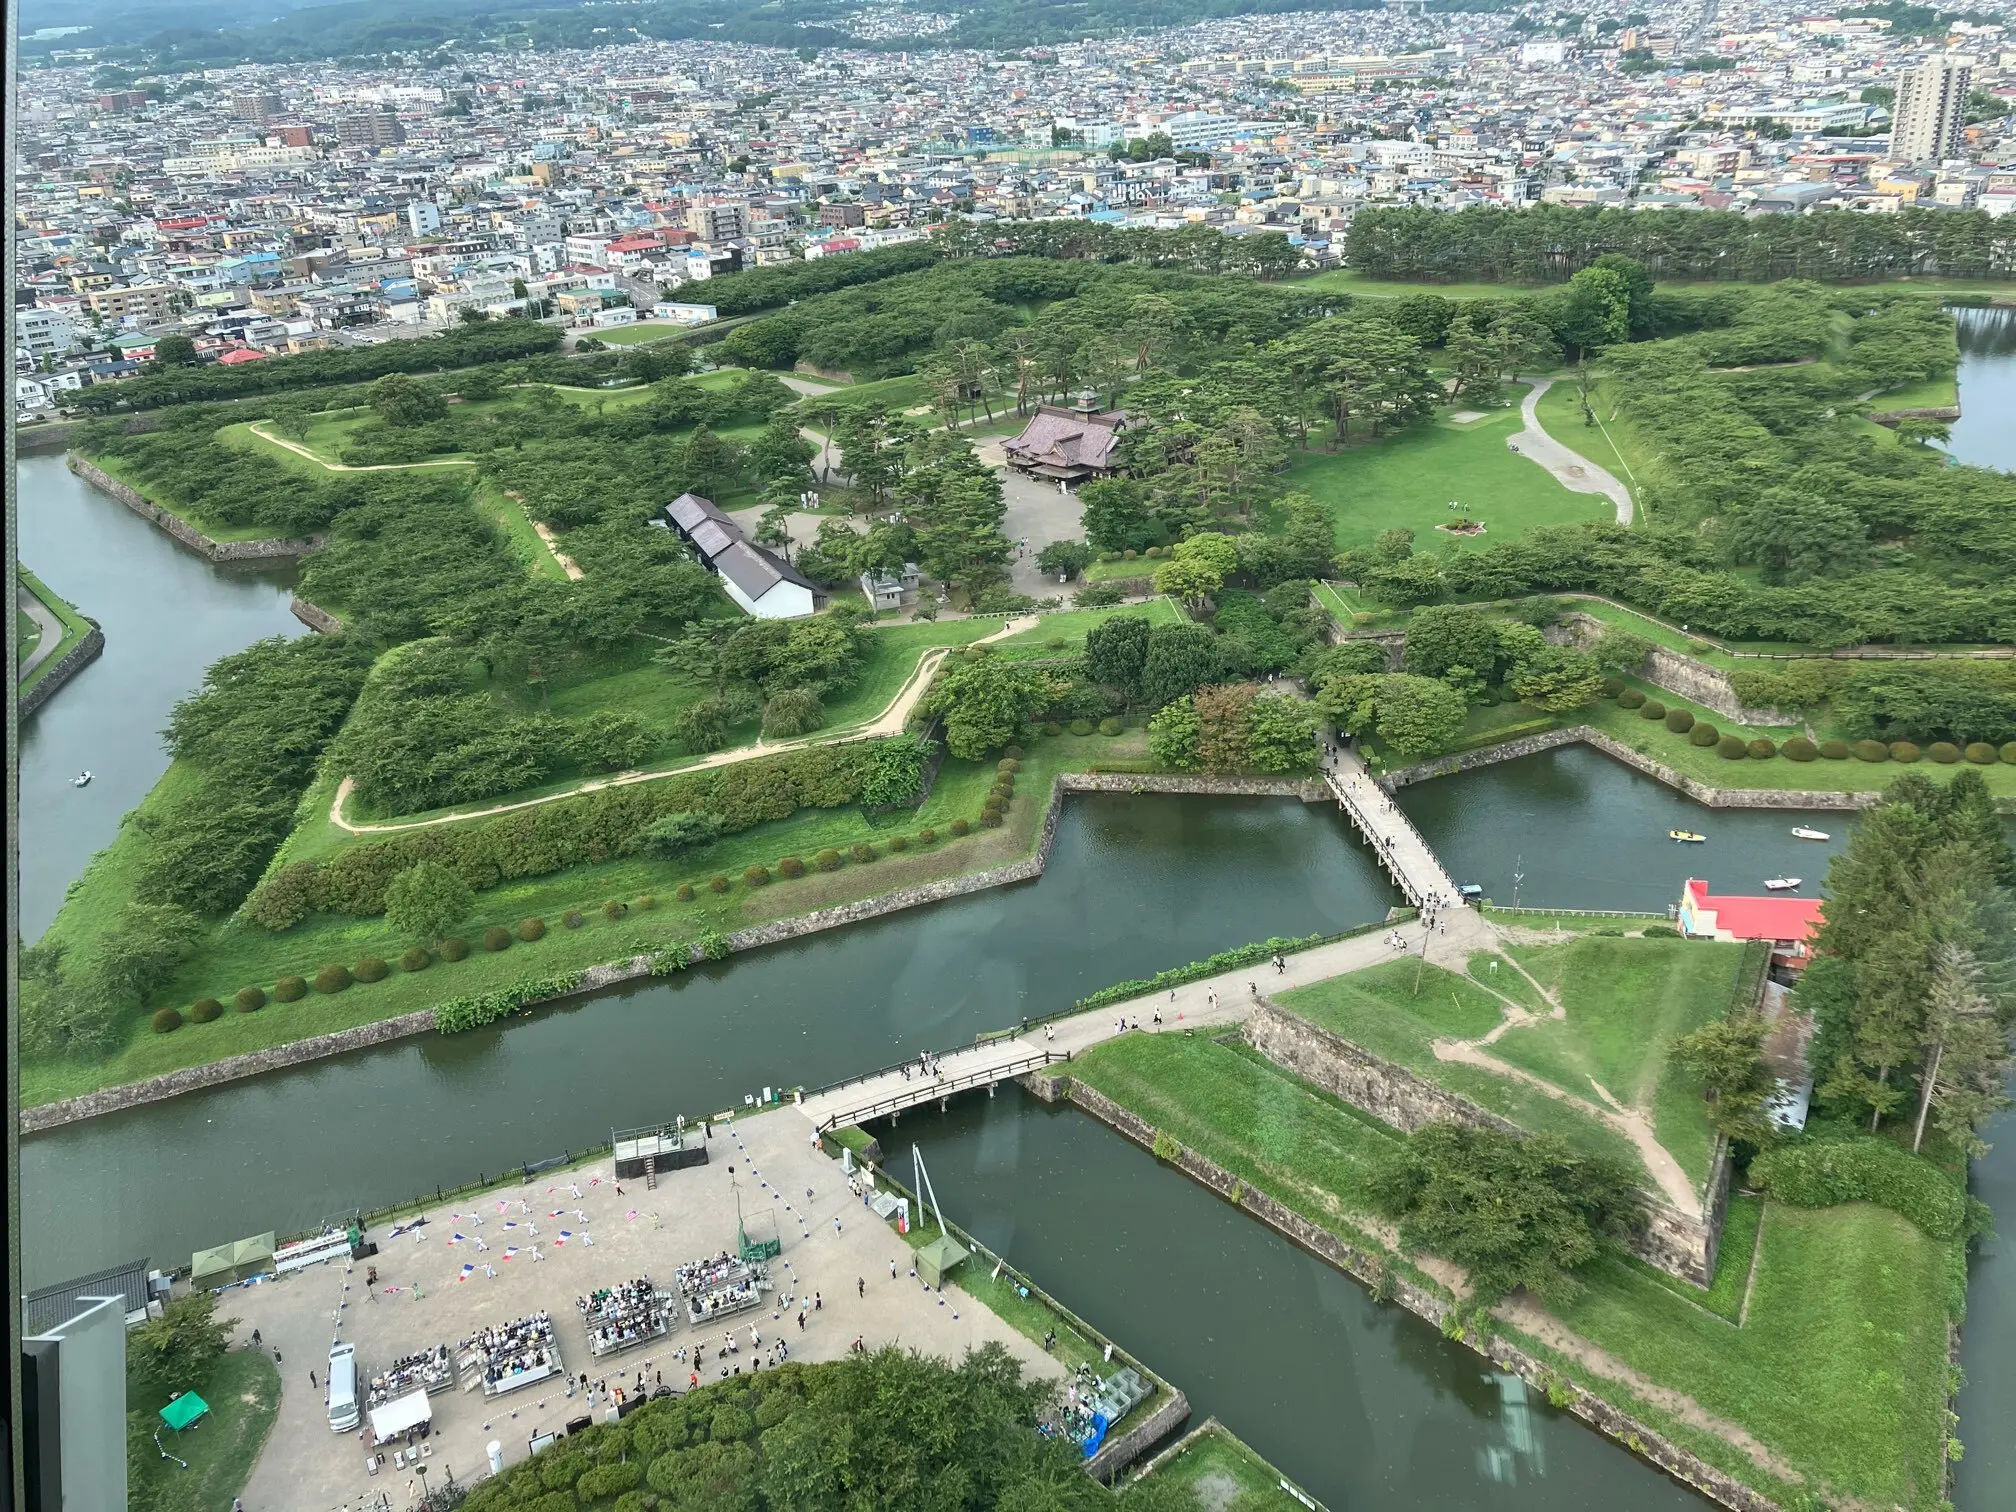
pixel 1787 922
pixel 239 356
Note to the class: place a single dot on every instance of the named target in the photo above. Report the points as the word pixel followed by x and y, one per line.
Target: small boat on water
pixel 82 779
pixel 1782 884
pixel 1800 832
pixel 1686 837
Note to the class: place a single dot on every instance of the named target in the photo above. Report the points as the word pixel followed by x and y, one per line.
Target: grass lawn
pixel 234 955
pixel 1262 1125
pixel 1408 480
pixel 1072 625
pixel 1381 1010
pixel 1841 1363
pixel 1220 1472
pixel 516 526
pixel 27 635
pixel 1933 393
pixel 1611 445
pixel 75 626
pixel 1732 1263
pixel 906 391
pixel 1626 1001
pixel 641 332
pixel 243 1392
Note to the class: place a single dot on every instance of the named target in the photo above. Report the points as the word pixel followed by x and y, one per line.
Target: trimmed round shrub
pixel 1129 554
pixel 718 884
pixel 683 892
pixel 756 876
pixel 1110 726
pixel 1762 749
pixel 573 918
pixel 827 860
pixel 531 929
pixel 862 851
pixel 205 1011
pixel 992 804
pixel 927 836
pixel 455 948
pixel 1630 698
pixel 1679 721
pixel 990 818
pixel 645 901
pixel 791 866
pixel 1703 734
pixel 1153 551
pixel 370 969
pixel 961 827
pixel 1871 750
pixel 1903 750
pixel 1612 686
pixel 249 999
pixel 332 979
pixel 1005 783
pixel 899 842
pixel 1798 748
pixel 416 958
pixel 1007 766
pixel 166 1020
pixel 1051 727
pixel 614 909
pixel 1980 753
pixel 290 989
pixel 1055 643
pixel 1834 750
pixel 1081 727
pixel 1943 751
pixel 1731 748
pixel 2009 753
pixel 1012 753
pixel 1652 709
pixel 496 938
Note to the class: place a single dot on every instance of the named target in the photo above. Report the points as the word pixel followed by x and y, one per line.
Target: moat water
pixel 1365 1406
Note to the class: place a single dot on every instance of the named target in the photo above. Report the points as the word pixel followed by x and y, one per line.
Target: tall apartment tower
pixel 1931 108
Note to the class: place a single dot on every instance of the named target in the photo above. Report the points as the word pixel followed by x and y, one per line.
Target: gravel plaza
pixel 834 1248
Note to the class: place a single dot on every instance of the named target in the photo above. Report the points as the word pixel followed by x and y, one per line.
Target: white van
pixel 343 1411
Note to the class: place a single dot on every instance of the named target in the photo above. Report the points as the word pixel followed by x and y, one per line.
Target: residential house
pixel 761 582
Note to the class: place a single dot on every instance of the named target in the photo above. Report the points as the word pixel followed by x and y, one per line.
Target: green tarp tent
pixel 936 1259
pixel 231 1262
pixel 184 1410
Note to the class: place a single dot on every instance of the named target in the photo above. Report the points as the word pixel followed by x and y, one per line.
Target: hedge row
pixel 480 1008
pixel 550 837
pixel 1824 1172
pixel 1798 748
pixel 1224 960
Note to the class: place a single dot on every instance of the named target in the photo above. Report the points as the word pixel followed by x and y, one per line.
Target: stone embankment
pixel 67 666
pixel 1690 677
pixel 182 530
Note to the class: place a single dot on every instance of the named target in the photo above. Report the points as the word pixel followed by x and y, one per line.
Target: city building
pixel 1931 109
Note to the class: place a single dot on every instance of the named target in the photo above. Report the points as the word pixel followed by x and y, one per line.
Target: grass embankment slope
pixel 234 954
pixel 243 1393
pixel 75 628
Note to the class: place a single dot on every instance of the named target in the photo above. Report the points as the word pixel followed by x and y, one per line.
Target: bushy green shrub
pixel 249 999
pixel 332 979
pixel 416 958
pixel 290 989
pixel 756 876
pixel 927 836
pixel 1943 751
pixel 166 1020
pixel 862 851
pixel 1834 750
pixel 1871 750
pixel 1081 727
pixel 370 969
pixel 1980 753
pixel 1824 1172
pixel 1055 643
pixel 1731 748
pixel 827 860
pixel 718 884
pixel 531 929
pixel 683 892
pixel 990 818
pixel 1051 727
pixel 791 866
pixel 605 1481
pixel 573 918
pixel 644 901
pixel 1012 753
pixel 1652 709
pixel 1007 766
pixel 1703 734
pixel 1612 686
pixel 454 948
pixel 2009 753
pixel 992 804
pixel 899 842
pixel 1798 748
pixel 1630 698
pixel 205 1011
pixel 496 938
pixel 614 909
pixel 961 827
pixel 1903 750
pixel 1110 726
pixel 1679 721
pixel 1762 748
pixel 1660 932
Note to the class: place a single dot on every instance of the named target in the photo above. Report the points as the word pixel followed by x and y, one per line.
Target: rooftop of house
pixel 1779 918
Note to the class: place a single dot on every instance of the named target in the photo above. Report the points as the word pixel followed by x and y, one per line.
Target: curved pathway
pixel 46 621
pixel 1571 469
pixel 889 722
pixel 301 451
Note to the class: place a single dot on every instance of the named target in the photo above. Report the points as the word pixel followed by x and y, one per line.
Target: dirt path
pixel 1571 469
pixel 889 722
pixel 567 564
pixel 301 451
pixel 1530 1319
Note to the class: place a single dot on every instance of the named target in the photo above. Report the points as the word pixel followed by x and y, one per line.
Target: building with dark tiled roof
pixel 1068 446
pixel 763 583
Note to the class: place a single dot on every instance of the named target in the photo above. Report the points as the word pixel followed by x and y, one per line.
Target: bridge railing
pixel 917 1092
pixel 1372 822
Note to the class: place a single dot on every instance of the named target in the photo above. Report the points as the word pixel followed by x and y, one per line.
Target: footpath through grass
pixel 1220 1473
pixel 243 1392
pixel 75 627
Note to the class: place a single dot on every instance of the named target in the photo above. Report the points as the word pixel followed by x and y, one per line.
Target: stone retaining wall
pixel 1638 1437
pixel 182 530
pixel 1688 676
pixel 313 616
pixel 1116 1454
pixel 66 666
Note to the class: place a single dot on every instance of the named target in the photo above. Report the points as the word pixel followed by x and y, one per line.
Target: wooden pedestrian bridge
pixel 1409 860
pixel 895 1089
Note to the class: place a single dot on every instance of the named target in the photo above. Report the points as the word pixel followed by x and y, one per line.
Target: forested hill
pixel 190 34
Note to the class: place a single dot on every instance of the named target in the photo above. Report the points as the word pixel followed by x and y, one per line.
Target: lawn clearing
pixel 640 332
pixel 1408 480
pixel 75 627
pixel 1220 1472
pixel 243 1393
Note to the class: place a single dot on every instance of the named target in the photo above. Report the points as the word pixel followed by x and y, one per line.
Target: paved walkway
pixel 1570 468
pixel 45 621
pixel 1401 849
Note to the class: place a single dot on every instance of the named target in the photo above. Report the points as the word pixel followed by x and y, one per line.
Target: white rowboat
pixel 1782 884
pixel 1800 832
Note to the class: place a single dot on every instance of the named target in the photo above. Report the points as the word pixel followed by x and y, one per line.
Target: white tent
pixel 401 1413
